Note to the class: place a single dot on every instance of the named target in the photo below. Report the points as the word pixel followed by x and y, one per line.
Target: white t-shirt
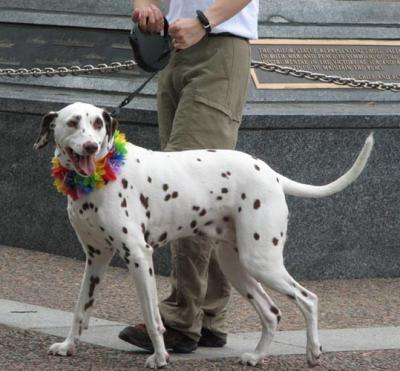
pixel 242 24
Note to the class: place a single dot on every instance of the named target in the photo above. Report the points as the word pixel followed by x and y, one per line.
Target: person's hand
pixel 150 19
pixel 186 32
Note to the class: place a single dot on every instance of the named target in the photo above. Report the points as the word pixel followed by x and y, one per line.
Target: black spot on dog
pixel 250 297
pixel 274 310
pixel 124 183
pixel 291 297
pixel 149 179
pixel 167 197
pixel 211 150
pixel 148 214
pixel 123 203
pixel 239 209
pixel 136 265
pixel 108 241
pixel 278 318
pixel 138 161
pixel 304 293
pixel 125 230
pixel 150 271
pixel 224 190
pixel 111 238
pixel 209 222
pixel 257 204
pixel 219 198
pixel 256 236
pixel 101 228
pixel 146 236
pixel 143 227
pixel 163 237
pixel 257 167
pixel 281 234
pixel 277 179
pixel 126 213
pixel 243 196
pixel 199 159
pixel 193 224
pixel 89 262
pixel 85 206
pixel 203 212
pixel 218 230
pixel 144 200
pixel 165 187
pixel 226 219
pixel 174 194
pixel 179 228
pixel 93 282
pixel 196 208
pixel 89 304
pixel 224 175
pixel 275 241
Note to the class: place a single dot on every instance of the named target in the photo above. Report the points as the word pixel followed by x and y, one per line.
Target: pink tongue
pixel 87 165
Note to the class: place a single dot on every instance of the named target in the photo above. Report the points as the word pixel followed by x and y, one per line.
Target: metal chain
pixel 269 67
pixel 64 71
pixel 338 80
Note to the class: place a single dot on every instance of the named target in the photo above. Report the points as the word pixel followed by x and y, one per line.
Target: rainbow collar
pixel 75 185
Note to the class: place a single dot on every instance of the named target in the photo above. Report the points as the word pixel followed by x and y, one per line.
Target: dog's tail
pixel 293 188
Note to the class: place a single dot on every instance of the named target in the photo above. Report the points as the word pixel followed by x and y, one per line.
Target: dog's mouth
pixel 84 164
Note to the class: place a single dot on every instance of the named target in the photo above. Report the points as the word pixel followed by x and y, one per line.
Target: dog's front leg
pixel 96 265
pixel 140 263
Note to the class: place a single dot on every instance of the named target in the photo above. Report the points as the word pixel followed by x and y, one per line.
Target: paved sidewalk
pixel 359 322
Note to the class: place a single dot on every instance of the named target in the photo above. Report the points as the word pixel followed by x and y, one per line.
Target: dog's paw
pixel 157 360
pixel 251 359
pixel 66 348
pixel 313 355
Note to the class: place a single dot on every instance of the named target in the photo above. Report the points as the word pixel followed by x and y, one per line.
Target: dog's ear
pixel 111 124
pixel 46 127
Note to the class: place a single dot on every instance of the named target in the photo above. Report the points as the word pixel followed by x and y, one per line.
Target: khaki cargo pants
pixel 201 94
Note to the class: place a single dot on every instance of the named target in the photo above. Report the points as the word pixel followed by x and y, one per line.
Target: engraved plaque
pixel 374 60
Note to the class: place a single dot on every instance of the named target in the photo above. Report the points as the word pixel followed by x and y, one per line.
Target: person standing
pixel 200 99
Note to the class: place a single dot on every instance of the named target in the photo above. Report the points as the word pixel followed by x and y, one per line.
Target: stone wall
pixel 311 136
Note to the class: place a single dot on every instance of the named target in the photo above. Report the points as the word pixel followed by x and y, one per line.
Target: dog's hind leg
pixel 250 289
pixel 265 264
pixel 140 264
pixel 96 264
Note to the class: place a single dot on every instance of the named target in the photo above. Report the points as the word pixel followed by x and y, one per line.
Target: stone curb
pixel 105 333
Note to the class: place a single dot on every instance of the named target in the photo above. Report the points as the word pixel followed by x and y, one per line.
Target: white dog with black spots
pixel 158 197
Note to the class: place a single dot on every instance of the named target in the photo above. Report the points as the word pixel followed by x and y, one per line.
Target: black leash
pixel 116 111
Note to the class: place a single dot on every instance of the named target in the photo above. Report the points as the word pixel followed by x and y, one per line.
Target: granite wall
pixel 312 136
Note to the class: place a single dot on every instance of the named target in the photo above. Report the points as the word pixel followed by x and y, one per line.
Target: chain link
pixel 268 67
pixel 338 80
pixel 64 71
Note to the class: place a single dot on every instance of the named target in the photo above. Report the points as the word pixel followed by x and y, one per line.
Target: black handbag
pixel 151 51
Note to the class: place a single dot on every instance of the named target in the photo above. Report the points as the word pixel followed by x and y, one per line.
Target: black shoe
pixel 211 339
pixel 173 339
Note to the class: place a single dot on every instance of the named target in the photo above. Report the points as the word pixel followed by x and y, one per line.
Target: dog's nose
pixel 90 147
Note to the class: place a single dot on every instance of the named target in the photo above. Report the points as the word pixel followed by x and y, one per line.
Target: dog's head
pixel 82 133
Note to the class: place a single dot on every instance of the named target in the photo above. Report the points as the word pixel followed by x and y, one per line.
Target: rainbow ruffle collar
pixel 74 185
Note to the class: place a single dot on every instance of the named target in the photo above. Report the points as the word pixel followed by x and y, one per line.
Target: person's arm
pixel 148 14
pixel 189 31
pixel 222 10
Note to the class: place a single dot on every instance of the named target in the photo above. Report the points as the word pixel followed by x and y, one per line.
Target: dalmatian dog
pixel 158 197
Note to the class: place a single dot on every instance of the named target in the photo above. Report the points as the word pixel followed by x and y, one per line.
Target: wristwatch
pixel 203 20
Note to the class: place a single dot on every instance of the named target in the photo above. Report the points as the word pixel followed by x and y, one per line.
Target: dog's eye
pixel 72 123
pixel 98 123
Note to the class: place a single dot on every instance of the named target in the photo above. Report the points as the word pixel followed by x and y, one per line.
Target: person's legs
pixel 207 116
pixel 200 100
